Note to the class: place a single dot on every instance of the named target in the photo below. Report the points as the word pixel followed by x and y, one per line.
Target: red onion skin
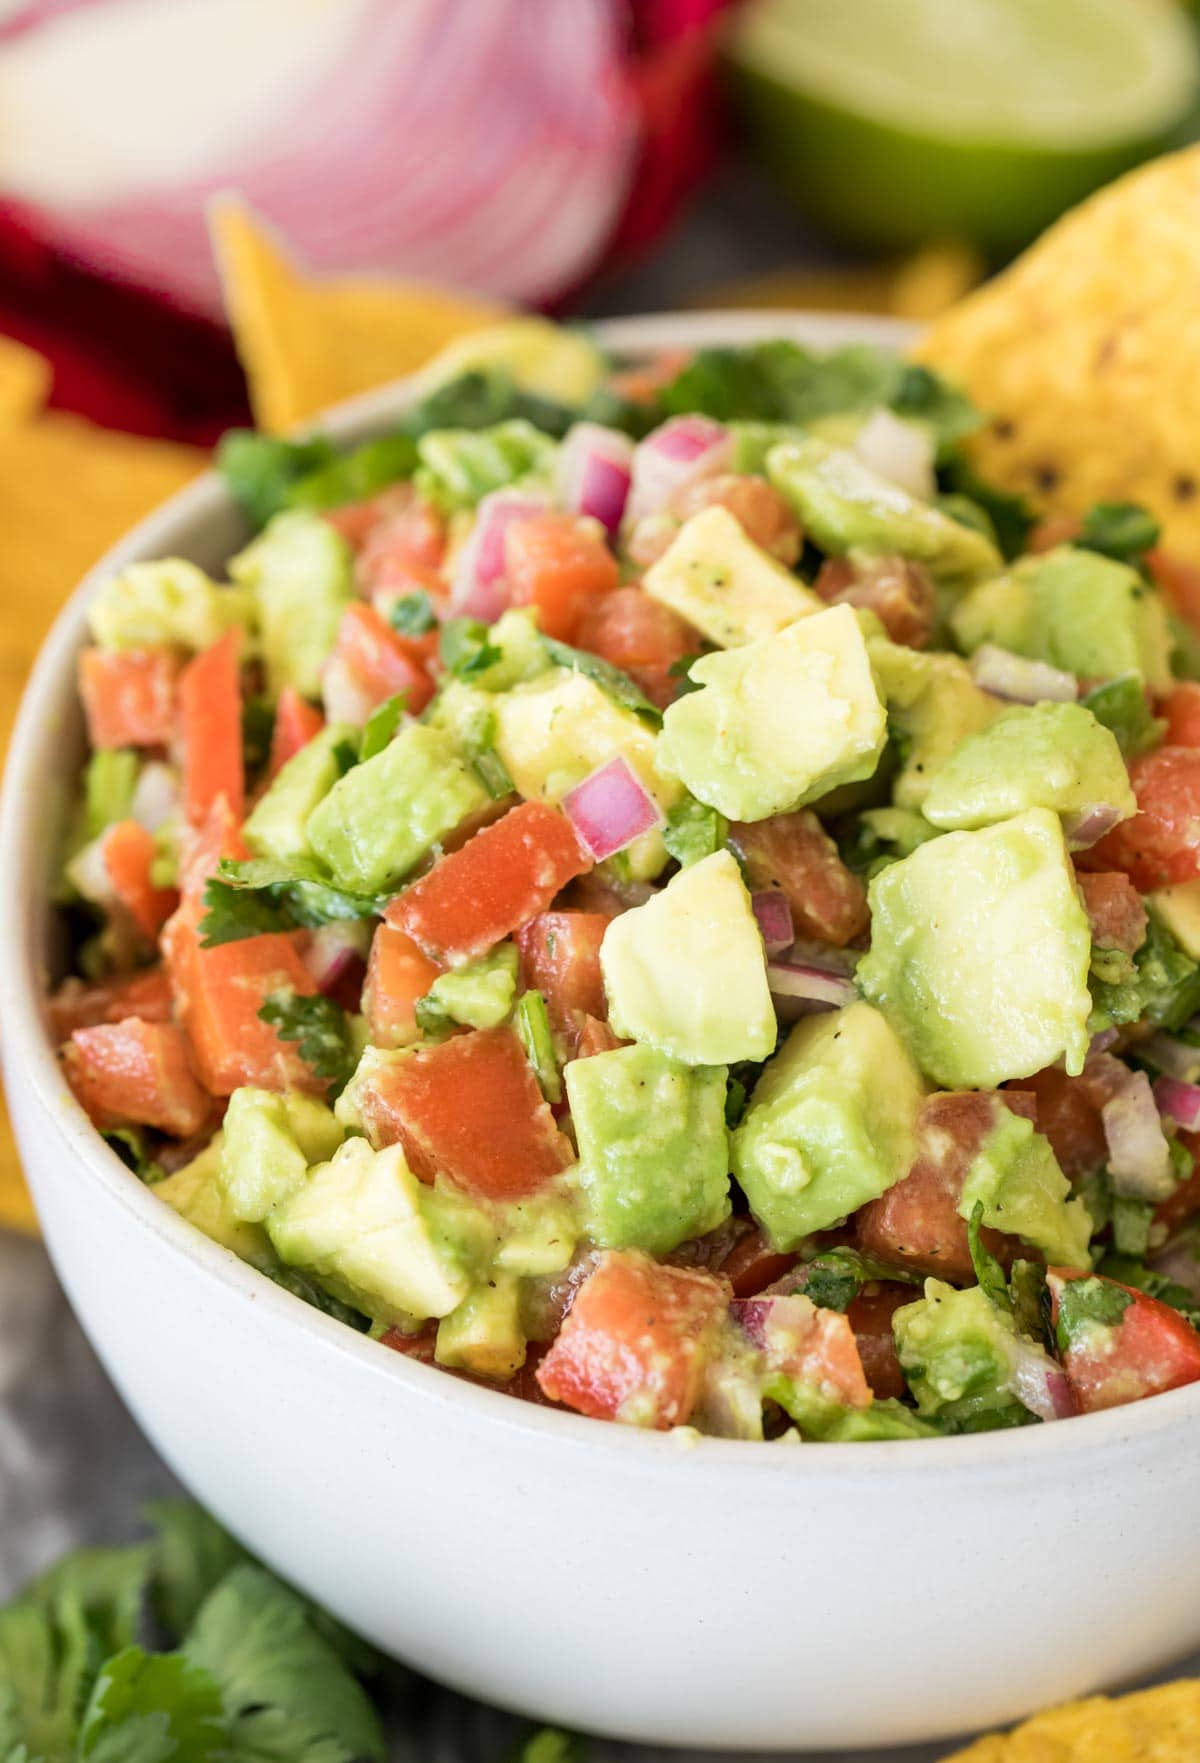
pixel 595 472
pixel 800 989
pixel 604 492
pixel 1090 825
pixel 684 450
pixel 1179 1100
pixel 479 589
pixel 1018 680
pixel 610 809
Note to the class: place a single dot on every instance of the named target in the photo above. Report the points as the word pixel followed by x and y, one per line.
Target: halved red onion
pixel 1090 825
pixel 1021 680
pixel 798 989
pixel 478 589
pixel 774 917
pixel 1173 1057
pixel 595 470
pixel 610 809
pixel 1040 1383
pixel 1139 1157
pixel 681 452
pixel 1181 1101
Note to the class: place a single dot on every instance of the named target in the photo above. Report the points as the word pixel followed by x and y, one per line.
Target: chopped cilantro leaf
pixel 412 615
pixel 736 1097
pixel 321 1030
pixel 381 725
pixel 259 470
pixel 1124 531
pixel 1165 989
pixel 618 686
pixel 832 1282
pixel 1132 1271
pixel 1012 517
pixel 681 671
pixel 694 831
pixel 988 1270
pixel 465 648
pixel 1121 705
pixel 1087 1303
pixel 154 1708
pixel 261 895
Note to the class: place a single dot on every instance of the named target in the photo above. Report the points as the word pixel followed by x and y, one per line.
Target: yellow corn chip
pixel 916 287
pixel 1155 1726
pixel 24 383
pixel 1086 351
pixel 305 342
pixel 68 490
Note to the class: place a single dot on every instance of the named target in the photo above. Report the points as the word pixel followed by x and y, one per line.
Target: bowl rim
pixel 29 1055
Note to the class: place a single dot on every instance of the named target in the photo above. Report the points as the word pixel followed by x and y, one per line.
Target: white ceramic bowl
pixel 708 1593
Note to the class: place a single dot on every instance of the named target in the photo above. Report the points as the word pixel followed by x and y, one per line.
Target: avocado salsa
pixel 676 901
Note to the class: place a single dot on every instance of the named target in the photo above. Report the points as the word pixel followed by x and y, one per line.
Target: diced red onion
pixel 1181 1101
pixel 1139 1158
pixel 595 470
pixel 1020 680
pixel 683 451
pixel 478 589
pixel 797 989
pixel 1174 1057
pixel 1040 1384
pixel 1100 1043
pixel 899 451
pixel 610 809
pixel 336 955
pixel 1090 824
pixel 774 917
pixel 155 795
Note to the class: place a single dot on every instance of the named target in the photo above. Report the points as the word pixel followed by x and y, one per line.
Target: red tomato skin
pixel 1115 910
pixel 135 1071
pixel 81 1004
pixel 558 564
pixel 297 722
pixel 642 638
pixel 381 660
pixel 1150 1350
pixel 471 1109
pixel 560 957
pixel 408 534
pixel 1161 844
pixel 129 852
pixel 210 715
pixel 398 974
pixel 129 696
pixel 870 1316
pixel 1069 1116
pixel 1181 707
pixel 502 877
pixel 795 853
pixel 636 1335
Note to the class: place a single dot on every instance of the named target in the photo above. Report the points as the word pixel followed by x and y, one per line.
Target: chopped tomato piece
pixel 501 878
pixel 753 1264
pixel 129 852
pixel 381 661
pixel 558 564
pixel 596 1036
pixel 870 1316
pixel 795 853
pixel 756 505
pixel 1161 844
pixel 408 535
pixel 1069 1116
pixel 560 957
pixel 1114 1356
pixel 1179 582
pixel 136 1071
pixel 898 591
pixel 916 1223
pixel 210 705
pixel 129 696
pixel 296 723
pixel 635 1341
pixel 1181 707
pixel 642 638
pixel 398 973
pixel 77 1004
pixel 472 1110
pixel 810 1346
pixel 1115 911
pixel 640 384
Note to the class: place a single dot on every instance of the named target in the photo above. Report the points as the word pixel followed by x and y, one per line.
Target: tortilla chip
pixel 918 287
pixel 1085 353
pixel 68 490
pixel 306 343
pixel 1155 1726
pixel 24 383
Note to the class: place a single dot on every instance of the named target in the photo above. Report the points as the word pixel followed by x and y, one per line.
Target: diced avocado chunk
pixel 1178 907
pixel 725 585
pixel 301 573
pixel 553 732
pixel 375 1236
pixel 653 1147
pixel 459 467
pixel 980 949
pixel 166 602
pixel 957 1350
pixel 1054 756
pixel 269 1142
pixel 1076 610
pixel 277 824
pixel 543 358
pixel 686 972
pixel 845 506
pixel 479 995
pixel 831 1123
pixel 197 1194
pixel 484 1334
pixel 1016 1178
pixel 933 704
pixel 538 1236
pixel 779 722
pixel 380 819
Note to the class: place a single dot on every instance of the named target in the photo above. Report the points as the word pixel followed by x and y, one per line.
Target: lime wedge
pixel 895 121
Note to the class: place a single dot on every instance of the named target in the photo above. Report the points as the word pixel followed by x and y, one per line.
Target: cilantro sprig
pixel 321 1030
pixel 261 895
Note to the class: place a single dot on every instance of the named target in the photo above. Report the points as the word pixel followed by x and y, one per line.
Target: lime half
pixel 894 121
